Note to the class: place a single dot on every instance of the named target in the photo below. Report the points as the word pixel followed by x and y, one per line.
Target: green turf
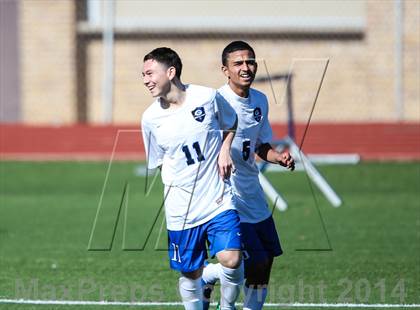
pixel 367 251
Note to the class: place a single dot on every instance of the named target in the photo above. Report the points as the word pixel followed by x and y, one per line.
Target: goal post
pixel 289 142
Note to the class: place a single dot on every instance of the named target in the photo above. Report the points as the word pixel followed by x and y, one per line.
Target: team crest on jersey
pixel 257 114
pixel 198 114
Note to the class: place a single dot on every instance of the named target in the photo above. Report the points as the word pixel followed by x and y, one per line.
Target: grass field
pixel 47 211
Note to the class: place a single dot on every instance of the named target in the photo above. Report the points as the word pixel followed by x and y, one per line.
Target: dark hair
pixel 233 47
pixel 166 56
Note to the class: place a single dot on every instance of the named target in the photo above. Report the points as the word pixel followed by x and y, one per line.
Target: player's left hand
pixel 225 164
pixel 286 160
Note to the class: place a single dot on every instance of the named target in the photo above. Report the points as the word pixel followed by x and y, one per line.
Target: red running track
pixel 393 141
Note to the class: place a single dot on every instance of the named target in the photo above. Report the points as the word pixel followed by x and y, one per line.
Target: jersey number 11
pixel 196 147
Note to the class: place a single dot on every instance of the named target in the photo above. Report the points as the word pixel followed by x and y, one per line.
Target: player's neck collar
pixel 238 97
pixel 176 98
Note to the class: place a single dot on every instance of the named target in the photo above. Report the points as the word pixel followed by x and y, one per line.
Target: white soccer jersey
pixel 186 143
pixel 253 130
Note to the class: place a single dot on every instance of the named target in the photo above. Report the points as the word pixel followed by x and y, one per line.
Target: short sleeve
pixel 154 153
pixel 265 135
pixel 225 114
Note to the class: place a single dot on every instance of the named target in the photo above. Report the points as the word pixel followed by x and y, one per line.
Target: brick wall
pixel 359 85
pixel 412 60
pixel 48 72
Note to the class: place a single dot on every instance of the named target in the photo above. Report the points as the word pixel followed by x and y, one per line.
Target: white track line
pixel 171 304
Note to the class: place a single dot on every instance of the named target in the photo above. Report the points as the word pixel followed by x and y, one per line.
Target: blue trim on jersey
pixel 260 241
pixel 187 248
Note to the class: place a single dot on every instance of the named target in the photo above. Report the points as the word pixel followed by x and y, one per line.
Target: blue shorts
pixel 187 248
pixel 260 241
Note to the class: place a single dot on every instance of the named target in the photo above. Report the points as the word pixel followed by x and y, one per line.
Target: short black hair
pixel 166 56
pixel 233 47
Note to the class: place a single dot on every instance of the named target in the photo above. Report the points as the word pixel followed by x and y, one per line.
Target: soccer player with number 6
pixel 253 136
pixel 188 133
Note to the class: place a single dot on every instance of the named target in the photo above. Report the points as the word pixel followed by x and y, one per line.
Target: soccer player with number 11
pixel 188 132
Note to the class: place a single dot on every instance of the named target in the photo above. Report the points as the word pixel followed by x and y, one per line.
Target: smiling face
pixel 157 78
pixel 240 69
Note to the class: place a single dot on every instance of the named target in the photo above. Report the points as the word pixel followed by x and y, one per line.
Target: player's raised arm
pixel 267 153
